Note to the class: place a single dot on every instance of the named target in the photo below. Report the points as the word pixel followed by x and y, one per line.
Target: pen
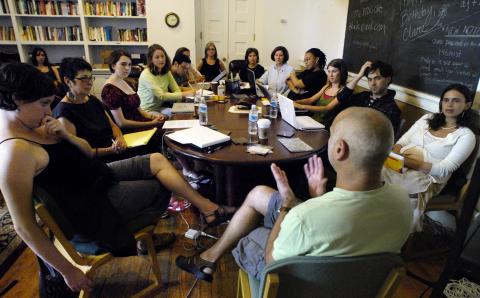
pixel 214 149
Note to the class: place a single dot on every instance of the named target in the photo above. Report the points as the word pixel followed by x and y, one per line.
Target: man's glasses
pixel 86 79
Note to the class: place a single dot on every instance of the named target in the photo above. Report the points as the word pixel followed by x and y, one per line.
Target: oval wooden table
pixel 235 170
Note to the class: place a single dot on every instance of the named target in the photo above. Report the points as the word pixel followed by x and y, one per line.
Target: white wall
pixel 172 38
pixel 300 25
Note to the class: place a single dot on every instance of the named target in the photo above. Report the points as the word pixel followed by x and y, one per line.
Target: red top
pixel 114 98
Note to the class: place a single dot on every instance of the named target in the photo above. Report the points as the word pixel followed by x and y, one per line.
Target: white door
pixel 241 27
pixel 230 24
pixel 215 27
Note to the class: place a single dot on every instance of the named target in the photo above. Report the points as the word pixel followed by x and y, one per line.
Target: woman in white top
pixel 277 74
pixel 434 147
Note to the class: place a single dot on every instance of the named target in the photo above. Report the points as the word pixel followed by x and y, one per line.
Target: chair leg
pixel 243 287
pixel 147 237
pixel 272 283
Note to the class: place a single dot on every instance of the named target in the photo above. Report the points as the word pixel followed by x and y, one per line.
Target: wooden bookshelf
pixel 25 14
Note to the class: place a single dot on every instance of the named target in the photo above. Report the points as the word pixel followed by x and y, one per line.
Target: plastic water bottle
pixel 221 88
pixel 203 112
pixel 252 123
pixel 273 107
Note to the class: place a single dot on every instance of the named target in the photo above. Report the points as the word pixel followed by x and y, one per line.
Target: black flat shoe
pixel 160 241
pixel 195 265
pixel 222 215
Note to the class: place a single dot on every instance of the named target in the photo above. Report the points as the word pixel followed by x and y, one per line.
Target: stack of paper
pixel 199 136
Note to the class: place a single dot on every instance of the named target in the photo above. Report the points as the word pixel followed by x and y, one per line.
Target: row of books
pixel 7 33
pixel 105 34
pixel 47 7
pixel 44 33
pixel 4 7
pixel 114 8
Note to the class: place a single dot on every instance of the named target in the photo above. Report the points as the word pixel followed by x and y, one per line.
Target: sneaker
pixel 178 204
pixel 160 241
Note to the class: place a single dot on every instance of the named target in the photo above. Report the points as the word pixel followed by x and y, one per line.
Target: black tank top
pixel 210 71
pixel 79 186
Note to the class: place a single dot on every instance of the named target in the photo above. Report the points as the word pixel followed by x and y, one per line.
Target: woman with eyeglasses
pixel 84 115
pixel 435 147
pixel 210 66
pixel 312 79
pixel 98 200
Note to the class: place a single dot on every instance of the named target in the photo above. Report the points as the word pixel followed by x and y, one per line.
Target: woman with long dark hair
pixel 434 147
pixel 324 102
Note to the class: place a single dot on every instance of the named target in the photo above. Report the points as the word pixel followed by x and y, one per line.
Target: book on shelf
pixel 7 33
pixel 46 7
pixel 105 34
pixel 114 8
pixel 4 9
pixel 44 33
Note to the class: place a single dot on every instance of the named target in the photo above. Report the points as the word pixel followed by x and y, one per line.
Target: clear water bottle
pixel 273 107
pixel 202 111
pixel 221 88
pixel 252 123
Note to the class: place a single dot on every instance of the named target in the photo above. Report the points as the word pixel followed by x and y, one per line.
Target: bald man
pixel 359 216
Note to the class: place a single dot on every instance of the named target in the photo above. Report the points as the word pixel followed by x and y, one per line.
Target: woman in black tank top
pixel 210 66
pixel 37 149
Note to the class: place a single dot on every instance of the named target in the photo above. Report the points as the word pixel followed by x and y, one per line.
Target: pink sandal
pixel 178 205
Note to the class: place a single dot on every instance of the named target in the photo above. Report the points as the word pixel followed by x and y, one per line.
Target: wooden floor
pixel 125 276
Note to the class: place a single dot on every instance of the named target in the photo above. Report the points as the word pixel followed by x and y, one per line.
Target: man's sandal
pixel 195 265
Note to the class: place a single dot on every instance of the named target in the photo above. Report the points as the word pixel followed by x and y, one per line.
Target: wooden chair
pixel 365 276
pixel 89 263
pixel 453 195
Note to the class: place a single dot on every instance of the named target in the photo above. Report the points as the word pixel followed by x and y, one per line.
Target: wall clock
pixel 172 20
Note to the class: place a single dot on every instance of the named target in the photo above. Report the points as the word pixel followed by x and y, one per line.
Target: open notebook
pixel 139 138
pixel 200 136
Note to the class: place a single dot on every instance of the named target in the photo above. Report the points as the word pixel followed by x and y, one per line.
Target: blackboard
pixel 429 43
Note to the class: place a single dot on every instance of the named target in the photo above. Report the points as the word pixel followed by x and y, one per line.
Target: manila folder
pixel 139 138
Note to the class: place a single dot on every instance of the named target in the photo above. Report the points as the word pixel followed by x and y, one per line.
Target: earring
pixel 70 94
pixel 463 114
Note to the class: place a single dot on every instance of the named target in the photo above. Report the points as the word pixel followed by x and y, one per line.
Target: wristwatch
pixel 283 208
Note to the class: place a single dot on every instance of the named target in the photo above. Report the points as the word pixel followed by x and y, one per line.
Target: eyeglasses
pixel 86 79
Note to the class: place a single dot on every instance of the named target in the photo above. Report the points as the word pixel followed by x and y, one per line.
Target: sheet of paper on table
pixel 175 124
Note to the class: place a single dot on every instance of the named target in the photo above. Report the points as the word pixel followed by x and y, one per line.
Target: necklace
pixel 448 127
pixel 71 99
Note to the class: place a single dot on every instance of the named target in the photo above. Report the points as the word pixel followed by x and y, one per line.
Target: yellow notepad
pixel 139 138
pixel 395 162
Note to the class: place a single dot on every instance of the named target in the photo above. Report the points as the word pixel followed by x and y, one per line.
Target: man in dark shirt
pixel 379 75
pixel 180 66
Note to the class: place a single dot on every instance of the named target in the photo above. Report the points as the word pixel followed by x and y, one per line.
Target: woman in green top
pixel 323 103
pixel 156 84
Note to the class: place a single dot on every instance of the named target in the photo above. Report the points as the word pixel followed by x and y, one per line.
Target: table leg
pixel 230 186
pixel 219 173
